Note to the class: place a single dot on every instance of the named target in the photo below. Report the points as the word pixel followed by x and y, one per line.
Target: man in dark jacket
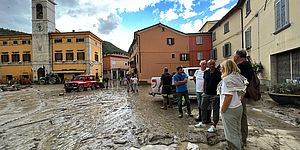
pixel 240 58
pixel 212 77
pixel 166 83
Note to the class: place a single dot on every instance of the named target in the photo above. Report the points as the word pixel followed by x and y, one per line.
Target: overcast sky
pixel 117 20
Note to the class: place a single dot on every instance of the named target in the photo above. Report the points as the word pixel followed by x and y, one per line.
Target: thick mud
pixel 45 117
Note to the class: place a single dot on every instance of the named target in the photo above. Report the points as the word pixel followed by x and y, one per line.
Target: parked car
pixel 155 81
pixel 81 83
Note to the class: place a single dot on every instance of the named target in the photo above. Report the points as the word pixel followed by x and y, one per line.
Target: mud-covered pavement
pixel 43 118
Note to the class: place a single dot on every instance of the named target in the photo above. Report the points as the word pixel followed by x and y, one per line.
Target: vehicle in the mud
pixel 81 83
pixel 189 71
pixel 51 78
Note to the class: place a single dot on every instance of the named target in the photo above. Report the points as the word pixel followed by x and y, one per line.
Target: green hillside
pixel 9 32
pixel 109 48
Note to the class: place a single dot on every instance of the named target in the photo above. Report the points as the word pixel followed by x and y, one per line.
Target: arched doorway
pixel 41 73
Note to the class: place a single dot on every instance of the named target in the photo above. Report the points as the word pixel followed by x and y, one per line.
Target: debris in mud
pixel 214 138
pixel 61 94
pixel 192 146
pixel 157 147
pixel 161 139
pixel 298 121
pixel 120 141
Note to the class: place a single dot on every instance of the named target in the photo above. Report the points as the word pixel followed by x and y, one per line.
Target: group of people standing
pixel 220 90
pixel 131 80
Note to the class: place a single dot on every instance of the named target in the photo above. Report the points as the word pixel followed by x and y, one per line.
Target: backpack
pixel 253 89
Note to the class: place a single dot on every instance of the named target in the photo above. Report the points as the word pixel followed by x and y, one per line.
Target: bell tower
pixel 43 23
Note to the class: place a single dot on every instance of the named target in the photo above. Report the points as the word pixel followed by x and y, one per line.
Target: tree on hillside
pixel 9 32
pixel 109 48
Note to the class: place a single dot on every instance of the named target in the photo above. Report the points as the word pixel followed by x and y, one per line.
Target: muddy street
pixel 45 117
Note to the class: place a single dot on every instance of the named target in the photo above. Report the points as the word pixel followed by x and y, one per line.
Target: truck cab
pixel 189 71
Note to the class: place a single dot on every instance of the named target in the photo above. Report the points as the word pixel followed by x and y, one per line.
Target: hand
pixel 223 110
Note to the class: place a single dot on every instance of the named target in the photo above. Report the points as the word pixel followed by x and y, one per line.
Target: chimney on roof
pixel 73 30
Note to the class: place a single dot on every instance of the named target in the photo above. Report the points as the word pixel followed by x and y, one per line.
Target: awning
pixel 69 71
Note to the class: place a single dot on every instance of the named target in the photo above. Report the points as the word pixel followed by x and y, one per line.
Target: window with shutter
pixel 281 14
pixel 4 57
pixel 248 38
pixel 69 55
pixel 248 8
pixel 213 54
pixel 26 56
pixel 227 50
pixel 199 56
pixel 170 41
pixel 184 57
pixel 214 36
pixel 80 55
pixel 199 40
pixel 15 57
pixel 226 27
pixel 58 56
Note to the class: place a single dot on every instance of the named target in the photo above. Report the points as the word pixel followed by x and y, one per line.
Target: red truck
pixel 81 83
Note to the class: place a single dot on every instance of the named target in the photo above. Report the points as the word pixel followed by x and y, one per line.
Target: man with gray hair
pixel 240 58
pixel 199 81
pixel 212 77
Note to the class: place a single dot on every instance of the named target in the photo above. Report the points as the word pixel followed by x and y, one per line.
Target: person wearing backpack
pixel 240 58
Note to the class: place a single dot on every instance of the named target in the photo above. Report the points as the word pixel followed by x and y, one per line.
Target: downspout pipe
pixel 242 27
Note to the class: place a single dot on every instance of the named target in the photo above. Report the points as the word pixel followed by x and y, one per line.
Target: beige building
pixel 270 33
pixel 272 37
pixel 207 26
pixel 227 35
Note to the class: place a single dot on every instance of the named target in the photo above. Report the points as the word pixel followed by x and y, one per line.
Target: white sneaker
pixel 212 129
pixel 200 125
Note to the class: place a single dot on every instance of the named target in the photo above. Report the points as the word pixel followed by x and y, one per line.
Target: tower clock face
pixel 39 27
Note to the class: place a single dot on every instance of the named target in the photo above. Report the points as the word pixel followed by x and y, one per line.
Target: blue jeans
pixel 187 101
pixel 199 99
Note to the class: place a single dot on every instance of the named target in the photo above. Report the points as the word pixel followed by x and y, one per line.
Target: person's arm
pixel 176 81
pixel 181 82
pixel 204 83
pixel 185 80
pixel 194 77
pixel 226 103
pixel 160 84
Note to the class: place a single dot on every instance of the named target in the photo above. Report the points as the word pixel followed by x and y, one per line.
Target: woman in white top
pixel 231 89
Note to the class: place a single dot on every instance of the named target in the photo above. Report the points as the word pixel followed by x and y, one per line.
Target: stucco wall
pixel 234 36
pixel 155 54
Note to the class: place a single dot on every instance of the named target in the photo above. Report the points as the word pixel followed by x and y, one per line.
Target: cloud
pixel 216 4
pixel 106 26
pixel 195 26
pixel 168 15
pixel 191 27
pixel 188 14
pixel 134 5
pixel 10 15
pixel 217 15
